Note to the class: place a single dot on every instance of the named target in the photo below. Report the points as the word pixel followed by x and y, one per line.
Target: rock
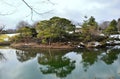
pixel 93 44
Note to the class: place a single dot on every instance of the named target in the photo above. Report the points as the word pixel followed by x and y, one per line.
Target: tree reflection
pixel 111 56
pixel 89 57
pixel 56 63
pixel 2 57
pixel 24 55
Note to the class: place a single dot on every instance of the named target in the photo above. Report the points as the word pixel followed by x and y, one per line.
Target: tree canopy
pixel 89 29
pixel 112 28
pixel 56 27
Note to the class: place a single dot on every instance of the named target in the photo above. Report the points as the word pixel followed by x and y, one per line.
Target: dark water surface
pixel 60 64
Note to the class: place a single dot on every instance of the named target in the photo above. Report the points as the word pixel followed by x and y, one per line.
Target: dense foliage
pixel 58 29
pixel 90 29
pixel 55 28
pixel 112 28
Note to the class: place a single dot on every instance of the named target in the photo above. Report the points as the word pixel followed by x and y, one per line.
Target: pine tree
pixel 112 28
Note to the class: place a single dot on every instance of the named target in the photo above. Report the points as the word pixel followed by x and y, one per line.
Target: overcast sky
pixel 75 10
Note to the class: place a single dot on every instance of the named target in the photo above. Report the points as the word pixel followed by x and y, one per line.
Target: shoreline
pixel 58 45
pixel 4 43
pixel 35 45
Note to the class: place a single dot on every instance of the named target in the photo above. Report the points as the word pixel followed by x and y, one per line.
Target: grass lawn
pixel 2 37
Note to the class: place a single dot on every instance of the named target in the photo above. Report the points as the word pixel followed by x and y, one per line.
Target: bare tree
pixel 1 28
pixel 22 24
pixel 104 25
pixel 10 31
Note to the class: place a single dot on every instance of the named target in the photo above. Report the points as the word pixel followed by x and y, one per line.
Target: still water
pixel 60 64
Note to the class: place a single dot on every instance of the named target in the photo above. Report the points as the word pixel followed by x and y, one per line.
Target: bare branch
pixel 34 11
pixel 51 2
pixel 4 14
pixel 29 8
pixel 8 13
pixel 7 3
pixel 27 4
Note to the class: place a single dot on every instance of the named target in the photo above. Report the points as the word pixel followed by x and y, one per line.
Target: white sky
pixel 75 10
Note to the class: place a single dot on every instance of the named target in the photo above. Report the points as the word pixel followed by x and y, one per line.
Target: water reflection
pixel 111 56
pixel 24 55
pixel 67 64
pixel 56 63
pixel 89 57
pixel 53 60
pixel 2 57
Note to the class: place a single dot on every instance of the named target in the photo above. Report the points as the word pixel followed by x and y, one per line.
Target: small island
pixel 61 33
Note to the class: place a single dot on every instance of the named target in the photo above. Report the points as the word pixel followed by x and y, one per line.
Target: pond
pixel 60 64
